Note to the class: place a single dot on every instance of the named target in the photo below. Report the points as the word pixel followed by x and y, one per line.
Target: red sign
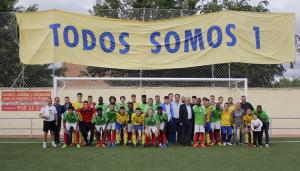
pixel 26 107
pixel 28 100
pixel 25 96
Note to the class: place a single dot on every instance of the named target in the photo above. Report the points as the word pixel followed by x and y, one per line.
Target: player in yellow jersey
pixel 226 121
pixel 209 137
pixel 231 104
pixel 134 102
pixel 137 120
pixel 121 125
pixel 247 126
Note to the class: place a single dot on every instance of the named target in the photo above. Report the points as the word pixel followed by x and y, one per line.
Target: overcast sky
pixel 83 6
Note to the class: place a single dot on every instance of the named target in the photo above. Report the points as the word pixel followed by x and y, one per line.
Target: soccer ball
pixel 45 114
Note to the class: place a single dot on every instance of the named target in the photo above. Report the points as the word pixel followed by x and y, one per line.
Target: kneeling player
pixel 70 121
pixel 151 127
pixel 216 124
pixel 100 121
pixel 137 120
pixel 121 126
pixel 162 118
pixel 200 118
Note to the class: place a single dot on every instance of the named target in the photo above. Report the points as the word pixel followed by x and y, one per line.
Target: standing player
pixel 231 104
pixel 162 118
pixel 247 125
pixel 200 118
pixel 78 104
pixel 216 124
pixel 194 100
pixel 100 121
pixel 212 100
pixel 111 132
pixel 157 102
pixel 238 124
pixel 170 97
pixel 129 125
pixel 151 127
pixel 60 110
pixel 208 133
pixel 49 114
pixel 70 124
pixel 143 105
pixel 134 102
pixel 122 104
pixel 150 105
pixel 91 104
pixel 102 105
pixel 121 125
pixel 256 125
pixel 264 117
pixel 221 102
pixel 137 120
pixel 226 120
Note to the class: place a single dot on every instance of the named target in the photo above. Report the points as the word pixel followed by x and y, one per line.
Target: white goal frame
pixel 234 80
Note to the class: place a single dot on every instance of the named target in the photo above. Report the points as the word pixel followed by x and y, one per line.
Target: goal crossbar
pixel 56 79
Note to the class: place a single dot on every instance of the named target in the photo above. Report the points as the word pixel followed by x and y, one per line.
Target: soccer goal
pixel 125 86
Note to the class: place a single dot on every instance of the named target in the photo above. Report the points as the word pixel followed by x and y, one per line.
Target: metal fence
pixel 15 75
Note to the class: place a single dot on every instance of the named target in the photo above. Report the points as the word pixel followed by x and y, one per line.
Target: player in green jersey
pixel 102 105
pixel 70 123
pixel 111 130
pixel 100 121
pixel 151 127
pixel 200 120
pixel 122 104
pixel 162 118
pixel 143 105
pixel 216 124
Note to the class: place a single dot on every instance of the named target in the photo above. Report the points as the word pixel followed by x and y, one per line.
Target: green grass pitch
pixel 31 156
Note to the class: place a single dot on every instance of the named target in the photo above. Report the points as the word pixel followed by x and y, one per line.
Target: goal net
pixel 126 86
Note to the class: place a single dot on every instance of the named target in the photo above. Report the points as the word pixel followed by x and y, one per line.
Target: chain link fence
pixel 16 75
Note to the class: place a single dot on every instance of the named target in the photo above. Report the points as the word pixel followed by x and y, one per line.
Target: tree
pixel 12 71
pixel 258 75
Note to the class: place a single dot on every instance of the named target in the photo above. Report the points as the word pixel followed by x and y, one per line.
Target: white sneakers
pixel 229 144
pixel 224 144
pixel 53 144
pixel 267 145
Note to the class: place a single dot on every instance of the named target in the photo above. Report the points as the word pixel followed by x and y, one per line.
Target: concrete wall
pixel 279 103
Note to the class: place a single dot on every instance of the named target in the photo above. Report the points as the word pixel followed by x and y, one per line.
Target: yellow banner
pixel 222 37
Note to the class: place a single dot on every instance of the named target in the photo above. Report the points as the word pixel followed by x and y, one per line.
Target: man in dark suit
pixel 186 117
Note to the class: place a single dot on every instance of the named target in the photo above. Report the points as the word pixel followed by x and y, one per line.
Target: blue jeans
pixel 226 133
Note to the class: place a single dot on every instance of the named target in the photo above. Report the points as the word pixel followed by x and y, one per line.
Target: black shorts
pixel 49 125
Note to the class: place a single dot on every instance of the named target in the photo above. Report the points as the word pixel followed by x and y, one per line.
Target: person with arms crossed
pixel 49 114
pixel 186 117
pixel 264 117
pixel 70 124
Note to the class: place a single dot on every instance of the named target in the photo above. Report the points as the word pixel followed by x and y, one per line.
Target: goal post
pixel 239 85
